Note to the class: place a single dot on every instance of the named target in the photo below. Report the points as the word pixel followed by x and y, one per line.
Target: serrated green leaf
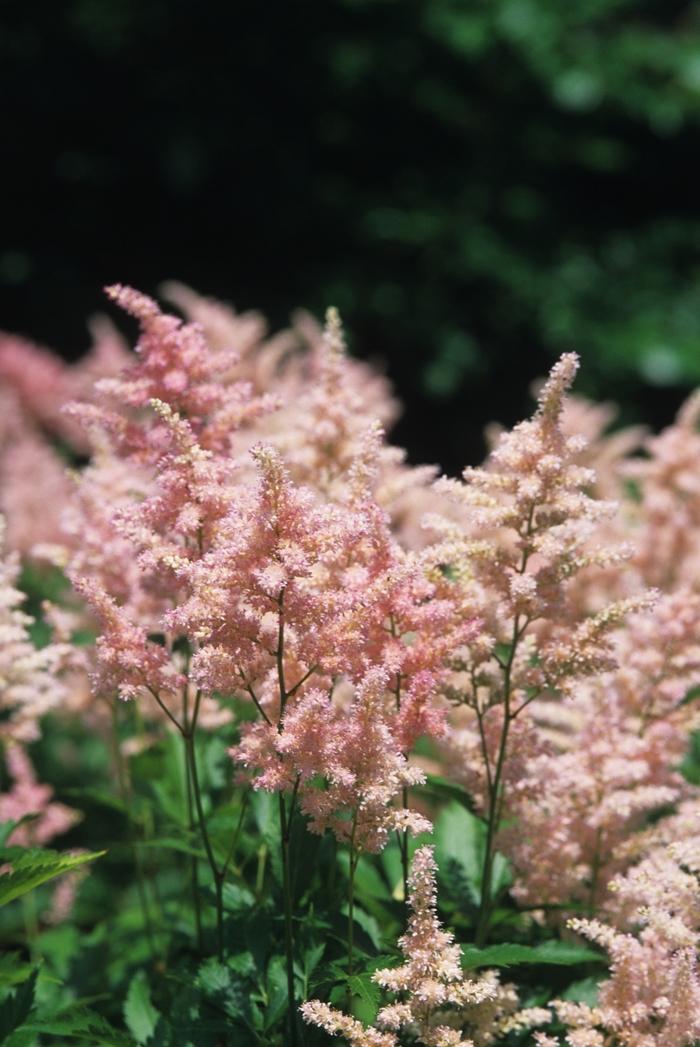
pixel 277 996
pixel 140 1015
pixel 15 1008
pixel 459 850
pixel 80 1023
pixel 312 958
pixel 31 868
pixel 14 971
pixel 362 986
pixel 511 955
pixel 460 844
pixel 237 898
pixel 225 988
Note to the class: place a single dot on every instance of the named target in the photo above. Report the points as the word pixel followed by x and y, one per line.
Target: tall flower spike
pixel 438 1005
pixel 526 527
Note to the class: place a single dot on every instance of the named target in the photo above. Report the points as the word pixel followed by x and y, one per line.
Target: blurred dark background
pixel 477 184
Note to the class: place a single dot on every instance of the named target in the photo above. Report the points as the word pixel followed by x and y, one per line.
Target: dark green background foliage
pixel 477 184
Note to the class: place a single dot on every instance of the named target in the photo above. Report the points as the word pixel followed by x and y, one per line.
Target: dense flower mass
pixel 278 657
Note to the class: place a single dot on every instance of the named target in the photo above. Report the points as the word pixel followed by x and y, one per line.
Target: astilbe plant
pixel 652 998
pixel 437 1003
pixel 295 673
pixel 527 529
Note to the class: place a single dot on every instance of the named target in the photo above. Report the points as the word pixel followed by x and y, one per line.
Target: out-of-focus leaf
pixel 140 1015
pixel 511 955
pixel 30 868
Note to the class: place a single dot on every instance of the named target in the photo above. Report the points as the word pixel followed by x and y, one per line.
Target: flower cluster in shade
pixel 436 1003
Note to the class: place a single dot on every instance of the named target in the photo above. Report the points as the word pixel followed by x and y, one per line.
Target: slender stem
pixel 279 655
pixel 495 779
pixel 354 858
pixel 258 706
pixel 194 864
pixel 402 836
pixel 127 797
pixel 260 871
pixel 216 872
pixel 403 847
pixel 595 872
pixel 236 834
pixel 165 709
pixel 285 826
pixel 293 690
pixel 288 930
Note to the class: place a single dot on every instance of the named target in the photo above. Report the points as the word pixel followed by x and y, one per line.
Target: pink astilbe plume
pixel 37 378
pixel 150 502
pixel 328 403
pixel 666 519
pixel 275 566
pixel 327 424
pixel 128 662
pixel 437 1004
pixel 29 684
pixel 26 797
pixel 365 773
pixel 177 366
pixel 294 589
pixel 325 430
pixel 652 997
pixel 35 384
pixel 527 528
pixel 606 760
pixel 34 491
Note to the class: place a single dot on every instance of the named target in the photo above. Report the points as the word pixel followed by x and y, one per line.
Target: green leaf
pixel 511 955
pixel 225 988
pixel 362 986
pixel 277 996
pixel 368 924
pixel 13 971
pixel 447 790
pixel 31 868
pixel 98 797
pixel 6 830
pixel 140 1015
pixel 460 845
pixel 583 991
pixel 237 898
pixel 172 843
pixel 82 1024
pixel 368 881
pixel 15 1009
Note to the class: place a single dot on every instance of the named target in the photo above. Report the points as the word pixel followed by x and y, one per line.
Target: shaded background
pixel 477 184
